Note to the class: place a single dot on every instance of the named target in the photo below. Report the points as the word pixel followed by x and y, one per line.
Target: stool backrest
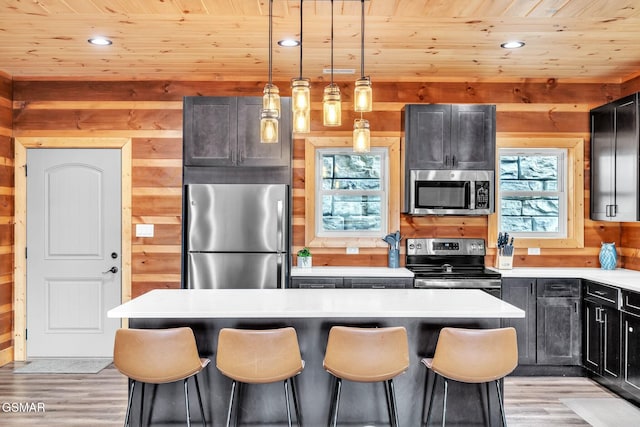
pixel 258 356
pixel 156 355
pixel 367 354
pixel 476 355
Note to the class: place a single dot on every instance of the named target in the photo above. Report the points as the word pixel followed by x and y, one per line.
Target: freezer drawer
pixel 236 271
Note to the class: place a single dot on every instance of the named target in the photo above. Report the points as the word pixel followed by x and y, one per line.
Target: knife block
pixel 504 262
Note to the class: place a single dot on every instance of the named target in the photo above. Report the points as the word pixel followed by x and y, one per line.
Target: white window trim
pixel 383 193
pixel 561 154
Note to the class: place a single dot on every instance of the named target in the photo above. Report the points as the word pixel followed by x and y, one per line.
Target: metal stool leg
pixel 204 420
pixel 296 405
pixel 433 393
pixel 444 401
pixel 185 385
pixel 336 403
pixel 231 396
pixel 394 407
pixel 286 398
pixel 504 418
pixel 132 384
pixel 488 405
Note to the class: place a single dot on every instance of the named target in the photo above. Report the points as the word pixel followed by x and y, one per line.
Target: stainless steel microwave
pixel 451 192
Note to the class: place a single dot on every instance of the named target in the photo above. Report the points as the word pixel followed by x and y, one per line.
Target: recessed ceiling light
pixel 512 45
pixel 289 43
pixel 100 41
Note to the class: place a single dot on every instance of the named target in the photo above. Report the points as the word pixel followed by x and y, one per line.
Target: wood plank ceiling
pixel 405 40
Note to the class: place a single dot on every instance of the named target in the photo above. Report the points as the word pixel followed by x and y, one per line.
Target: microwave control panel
pixel 482 195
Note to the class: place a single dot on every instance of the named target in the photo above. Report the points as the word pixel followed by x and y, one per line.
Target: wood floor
pixel 100 399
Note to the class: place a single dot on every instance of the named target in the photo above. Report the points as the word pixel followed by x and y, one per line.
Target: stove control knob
pixel 419 246
pixel 411 246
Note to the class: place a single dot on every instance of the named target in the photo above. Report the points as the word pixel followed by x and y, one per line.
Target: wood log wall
pixel 6 221
pixel 150 113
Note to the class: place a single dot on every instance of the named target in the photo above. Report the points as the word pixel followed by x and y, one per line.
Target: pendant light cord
pixel 332 42
pixel 362 41
pixel 301 39
pixel 270 35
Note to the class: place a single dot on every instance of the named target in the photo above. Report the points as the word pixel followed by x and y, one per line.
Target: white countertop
pixel 349 271
pixel 625 279
pixel 315 303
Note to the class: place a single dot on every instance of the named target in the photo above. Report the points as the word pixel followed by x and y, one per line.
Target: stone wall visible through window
pixel 531 192
pixel 352 192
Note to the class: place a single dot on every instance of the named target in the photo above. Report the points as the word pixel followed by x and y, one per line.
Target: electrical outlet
pixel 352 250
pixel 533 251
pixel 144 230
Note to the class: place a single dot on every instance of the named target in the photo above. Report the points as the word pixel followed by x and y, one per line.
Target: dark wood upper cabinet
pixel 615 150
pixel 225 131
pixel 443 136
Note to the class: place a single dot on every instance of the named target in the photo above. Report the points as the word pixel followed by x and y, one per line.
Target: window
pixel 532 184
pixel 351 200
pixel 352 195
pixel 540 192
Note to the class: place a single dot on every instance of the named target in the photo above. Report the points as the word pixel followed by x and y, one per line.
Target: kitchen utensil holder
pixel 504 262
pixel 394 258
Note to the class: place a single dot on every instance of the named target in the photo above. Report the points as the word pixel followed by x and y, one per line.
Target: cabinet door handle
pixel 575 307
pixel 446 160
pixel 598 315
pixel 453 160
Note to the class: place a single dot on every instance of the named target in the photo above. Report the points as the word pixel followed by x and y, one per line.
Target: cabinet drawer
pixel 603 293
pixel 378 282
pixel 316 282
pixel 631 302
pixel 558 287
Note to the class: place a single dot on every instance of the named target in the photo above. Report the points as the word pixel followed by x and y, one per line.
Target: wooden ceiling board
pixel 405 40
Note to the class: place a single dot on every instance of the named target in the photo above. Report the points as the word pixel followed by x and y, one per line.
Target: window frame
pixel 561 193
pixel 574 191
pixel 383 192
pixel 351 239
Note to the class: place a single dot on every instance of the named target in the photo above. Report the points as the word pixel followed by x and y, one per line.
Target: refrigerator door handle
pixel 280 231
pixel 279 274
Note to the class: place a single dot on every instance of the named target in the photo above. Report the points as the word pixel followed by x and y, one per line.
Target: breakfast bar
pixel 312 312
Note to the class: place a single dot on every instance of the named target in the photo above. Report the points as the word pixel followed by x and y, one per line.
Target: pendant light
pixel 362 100
pixel 301 95
pixel 331 107
pixel 361 136
pixel 270 99
pixel 362 96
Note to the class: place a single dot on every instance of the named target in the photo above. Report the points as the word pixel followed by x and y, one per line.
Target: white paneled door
pixel 73 251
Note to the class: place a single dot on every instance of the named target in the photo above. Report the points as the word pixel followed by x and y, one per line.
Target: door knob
pixel 113 270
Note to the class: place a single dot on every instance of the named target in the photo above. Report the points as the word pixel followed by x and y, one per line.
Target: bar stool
pixel 260 357
pixel 366 355
pixel 472 356
pixel 158 356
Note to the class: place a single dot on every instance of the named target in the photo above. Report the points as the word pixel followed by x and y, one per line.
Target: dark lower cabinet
pixel 521 292
pixel 351 282
pixel 558 331
pixel 601 332
pixel 550 333
pixel 631 352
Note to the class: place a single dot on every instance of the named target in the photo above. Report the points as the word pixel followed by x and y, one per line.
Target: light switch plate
pixel 144 230
pixel 533 251
pixel 352 250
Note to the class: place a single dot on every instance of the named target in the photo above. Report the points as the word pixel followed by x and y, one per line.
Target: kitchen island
pixel 312 313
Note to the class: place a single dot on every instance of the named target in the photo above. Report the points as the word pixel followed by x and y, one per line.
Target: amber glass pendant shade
pixel 301 105
pixel 362 96
pixel 361 136
pixel 271 98
pixel 331 106
pixel 269 127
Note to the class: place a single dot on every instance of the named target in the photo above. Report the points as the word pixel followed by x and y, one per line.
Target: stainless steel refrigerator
pixel 236 236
